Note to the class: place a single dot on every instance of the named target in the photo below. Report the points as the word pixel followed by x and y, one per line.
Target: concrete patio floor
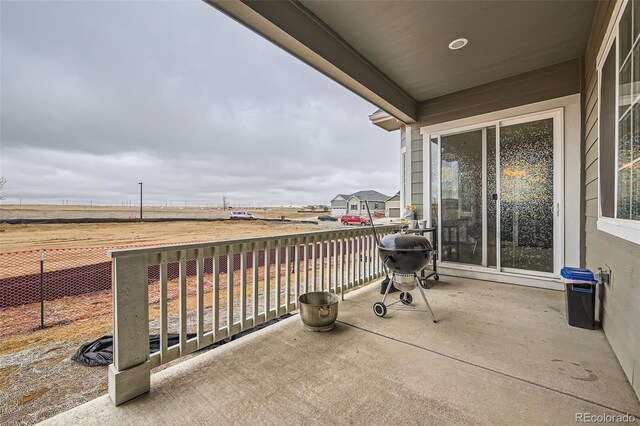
pixel 500 354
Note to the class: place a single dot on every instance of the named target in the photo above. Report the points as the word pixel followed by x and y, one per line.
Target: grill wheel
pixel 379 309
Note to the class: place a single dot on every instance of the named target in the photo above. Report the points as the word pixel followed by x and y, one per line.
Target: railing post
pixel 255 273
pixel 278 270
pixel 287 275
pixel 305 276
pixel 322 268
pixel 296 292
pixel 347 266
pixel 342 282
pixel 130 373
pixel 200 297
pixel 267 280
pixel 314 262
pixel 336 265
pixel 182 298
pixel 164 307
pixel 243 286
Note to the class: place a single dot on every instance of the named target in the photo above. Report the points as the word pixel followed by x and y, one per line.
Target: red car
pixel 355 220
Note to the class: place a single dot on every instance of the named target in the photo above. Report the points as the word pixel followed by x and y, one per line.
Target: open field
pixel 29 237
pixel 43 211
pixel 37 236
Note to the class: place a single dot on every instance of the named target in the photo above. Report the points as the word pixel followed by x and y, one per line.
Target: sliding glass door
pixel 526 196
pixel 461 197
pixel 494 189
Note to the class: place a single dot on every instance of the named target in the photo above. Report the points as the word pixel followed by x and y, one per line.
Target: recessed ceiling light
pixel 458 43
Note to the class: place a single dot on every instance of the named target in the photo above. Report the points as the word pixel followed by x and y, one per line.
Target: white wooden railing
pixel 268 274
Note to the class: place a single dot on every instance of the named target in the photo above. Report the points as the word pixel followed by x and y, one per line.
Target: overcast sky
pixel 97 96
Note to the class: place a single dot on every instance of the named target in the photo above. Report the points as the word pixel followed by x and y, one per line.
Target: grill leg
pixel 424 297
pixel 386 292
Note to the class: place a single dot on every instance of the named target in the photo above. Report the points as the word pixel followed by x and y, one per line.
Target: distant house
pixel 392 206
pixel 339 204
pixel 354 204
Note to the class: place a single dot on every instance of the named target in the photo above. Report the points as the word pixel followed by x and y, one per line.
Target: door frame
pixel 498 119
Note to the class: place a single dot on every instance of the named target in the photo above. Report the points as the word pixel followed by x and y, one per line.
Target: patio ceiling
pixel 396 55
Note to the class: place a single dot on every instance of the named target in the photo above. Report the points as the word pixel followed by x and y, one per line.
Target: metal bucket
pixel 319 310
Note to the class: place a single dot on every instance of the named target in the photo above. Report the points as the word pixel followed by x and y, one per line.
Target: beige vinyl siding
pixel 353 202
pixel 404 183
pixel 392 206
pixel 621 299
pixel 392 209
pixel 416 171
pixel 545 83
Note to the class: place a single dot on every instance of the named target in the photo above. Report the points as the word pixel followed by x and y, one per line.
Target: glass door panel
pixel 461 191
pixel 526 196
pixel 435 181
pixel 492 197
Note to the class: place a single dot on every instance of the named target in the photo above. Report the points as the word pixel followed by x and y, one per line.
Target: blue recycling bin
pixel 580 297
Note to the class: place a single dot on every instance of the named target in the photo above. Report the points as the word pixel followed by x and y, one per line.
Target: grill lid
pixel 405 242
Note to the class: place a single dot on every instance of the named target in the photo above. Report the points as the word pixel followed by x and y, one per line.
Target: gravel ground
pixel 42 380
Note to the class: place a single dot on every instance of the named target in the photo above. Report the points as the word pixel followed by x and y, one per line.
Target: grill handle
pixel 375 235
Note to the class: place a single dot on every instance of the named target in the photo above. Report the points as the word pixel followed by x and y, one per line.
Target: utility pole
pixel 140 183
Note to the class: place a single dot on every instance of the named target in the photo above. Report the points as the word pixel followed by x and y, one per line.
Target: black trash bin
pixel 580 297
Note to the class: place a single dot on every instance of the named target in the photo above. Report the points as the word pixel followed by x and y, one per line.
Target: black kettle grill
pixel 404 255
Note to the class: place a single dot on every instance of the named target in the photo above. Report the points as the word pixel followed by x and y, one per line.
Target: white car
pixel 241 216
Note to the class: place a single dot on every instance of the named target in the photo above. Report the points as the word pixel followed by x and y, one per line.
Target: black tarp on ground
pixel 100 351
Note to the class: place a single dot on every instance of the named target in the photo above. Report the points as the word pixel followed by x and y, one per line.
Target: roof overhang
pixel 385 120
pixel 395 54
pixel 393 196
pixel 294 28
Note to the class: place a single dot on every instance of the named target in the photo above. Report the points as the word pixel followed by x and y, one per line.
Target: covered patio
pixel 527 83
pixel 501 354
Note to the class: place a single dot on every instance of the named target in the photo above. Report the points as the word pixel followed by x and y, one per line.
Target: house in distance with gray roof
pixel 339 204
pixel 354 204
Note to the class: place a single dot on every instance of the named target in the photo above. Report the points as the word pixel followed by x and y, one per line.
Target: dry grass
pixel 48 211
pixel 30 237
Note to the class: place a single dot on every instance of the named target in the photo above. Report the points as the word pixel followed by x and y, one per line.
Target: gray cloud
pixel 97 96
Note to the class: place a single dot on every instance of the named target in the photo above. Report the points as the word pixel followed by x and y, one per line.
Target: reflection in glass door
pixel 526 196
pixel 493 191
pixel 461 194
